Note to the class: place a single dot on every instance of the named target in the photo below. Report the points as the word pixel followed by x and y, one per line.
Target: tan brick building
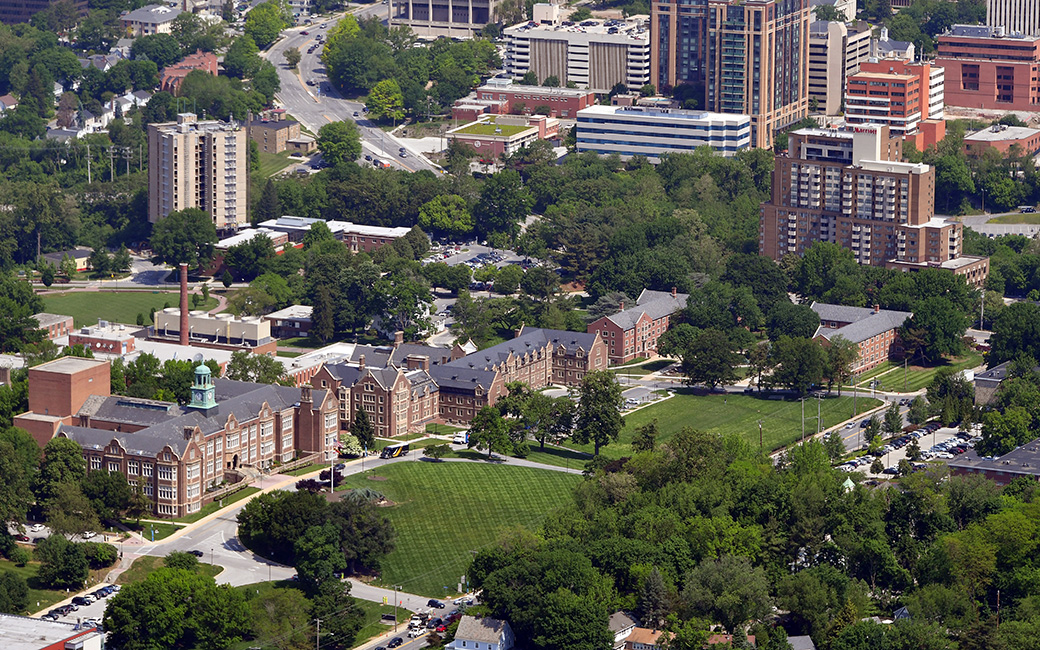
pixel 274 136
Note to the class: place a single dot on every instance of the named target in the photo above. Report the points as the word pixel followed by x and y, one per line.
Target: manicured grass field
pixel 917 377
pixel 558 457
pixel 733 413
pixel 442 429
pixel 39 599
pixel 446 510
pixel 86 307
pixel 143 566
pixel 162 530
pixel 272 163
pixel 213 506
pixel 306 469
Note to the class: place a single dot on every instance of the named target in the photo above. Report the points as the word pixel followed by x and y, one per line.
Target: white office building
pixel 1015 16
pixel 653 132
pixel 835 51
pixel 594 55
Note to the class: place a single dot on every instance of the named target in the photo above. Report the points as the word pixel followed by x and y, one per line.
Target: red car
pixel 442 628
pixel 305 33
pixel 22 538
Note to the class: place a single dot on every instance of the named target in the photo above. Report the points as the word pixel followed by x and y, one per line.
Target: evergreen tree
pixel 653 602
pixel 834 445
pixel 323 318
pixel 893 419
pixel 362 429
pixel 268 207
pixel 227 279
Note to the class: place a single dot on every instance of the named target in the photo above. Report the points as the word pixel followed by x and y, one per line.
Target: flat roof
pixel 244 235
pixel 535 90
pixel 46 320
pixel 632 29
pixel 1006 133
pixel 70 365
pixel 490 128
pixel 272 124
pixel 292 311
pixel 24 633
pixel 677 113
pixel 1023 460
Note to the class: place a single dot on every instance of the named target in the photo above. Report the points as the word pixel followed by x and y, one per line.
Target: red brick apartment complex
pixel 874 331
pixel 986 68
pixel 178 454
pixel 173 75
pixel 632 333
pixel 406 387
pixel 850 187
pixel 899 94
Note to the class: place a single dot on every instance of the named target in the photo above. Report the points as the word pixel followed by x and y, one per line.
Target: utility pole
pixel 317 634
pixel 803 420
pixel 112 162
pixel 819 409
pixel 396 587
pixel 88 165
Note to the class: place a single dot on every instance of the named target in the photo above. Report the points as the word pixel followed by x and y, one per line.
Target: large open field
pixel 915 377
pixel 446 510
pixel 86 307
pixel 39 598
pixel 734 413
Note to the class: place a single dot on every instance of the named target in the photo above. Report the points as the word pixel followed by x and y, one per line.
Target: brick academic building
pixel 178 454
pixel 987 68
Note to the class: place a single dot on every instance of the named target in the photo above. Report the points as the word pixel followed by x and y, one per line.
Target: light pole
pixel 396 587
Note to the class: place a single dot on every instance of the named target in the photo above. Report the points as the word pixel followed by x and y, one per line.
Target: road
pixel 317 105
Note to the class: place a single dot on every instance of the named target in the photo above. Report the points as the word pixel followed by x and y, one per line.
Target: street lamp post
pixel 396 587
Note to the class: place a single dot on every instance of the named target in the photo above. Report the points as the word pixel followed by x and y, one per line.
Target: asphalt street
pixel 317 105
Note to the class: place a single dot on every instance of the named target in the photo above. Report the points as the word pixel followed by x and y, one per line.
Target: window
pixel 192 471
pixel 193 491
pixel 131 467
pixel 149 490
pixel 266 429
pixel 165 492
pixel 95 462
pixel 113 466
pixel 287 441
pixel 287 422
pixel 232 440
pixel 167 473
pixel 330 420
pixel 166 510
pixel 146 469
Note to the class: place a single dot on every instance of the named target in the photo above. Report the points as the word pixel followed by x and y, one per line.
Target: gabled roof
pixel 655 304
pixel 621 620
pixel 481 630
pixel 462 378
pixel 530 340
pixel 863 323
pixel 644 636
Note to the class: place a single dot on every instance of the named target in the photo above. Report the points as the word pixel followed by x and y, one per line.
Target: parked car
pixel 435 603
pixel 82 600
pixel 89 534
pixel 36 528
pixel 22 538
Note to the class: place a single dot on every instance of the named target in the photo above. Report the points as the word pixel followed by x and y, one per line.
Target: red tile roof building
pixel 173 75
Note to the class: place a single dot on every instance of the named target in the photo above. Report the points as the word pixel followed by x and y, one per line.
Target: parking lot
pixel 81 611
pixel 937 444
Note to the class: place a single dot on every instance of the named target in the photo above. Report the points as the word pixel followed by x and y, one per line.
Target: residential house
pixel 642 638
pixel 8 103
pixel 172 76
pixel 79 255
pixel 621 625
pixel 874 331
pixel 633 333
pixel 801 642
pixel 482 634
pixel 726 640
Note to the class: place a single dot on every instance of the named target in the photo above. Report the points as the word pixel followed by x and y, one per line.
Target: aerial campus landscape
pixel 592 325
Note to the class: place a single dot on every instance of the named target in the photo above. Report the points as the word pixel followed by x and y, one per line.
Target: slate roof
pixel 481 630
pixel 619 621
pixel 863 323
pixel 462 378
pixel 346 374
pixel 420 381
pixel 656 304
pixel 801 643
pixel 530 340
pixel 165 422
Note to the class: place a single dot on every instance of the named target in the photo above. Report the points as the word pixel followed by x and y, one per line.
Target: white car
pixel 460 439
pixel 89 534
pixel 36 528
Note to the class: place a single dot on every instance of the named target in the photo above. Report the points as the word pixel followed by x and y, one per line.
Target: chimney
pixel 398 339
pixel 184 304
pixel 361 362
pixel 188 432
pixel 517 333
pixel 305 394
pixel 622 307
pixel 877 308
pixel 673 292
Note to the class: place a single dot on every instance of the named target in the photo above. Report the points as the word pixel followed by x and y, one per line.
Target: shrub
pixel 100 555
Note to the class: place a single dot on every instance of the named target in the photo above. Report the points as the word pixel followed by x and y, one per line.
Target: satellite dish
pixel 197 358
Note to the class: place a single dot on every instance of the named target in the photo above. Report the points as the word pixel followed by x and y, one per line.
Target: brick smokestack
pixel 184 304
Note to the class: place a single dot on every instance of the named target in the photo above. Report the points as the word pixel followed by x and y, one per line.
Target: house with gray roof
pixel 875 331
pixel 632 333
pixel 482 634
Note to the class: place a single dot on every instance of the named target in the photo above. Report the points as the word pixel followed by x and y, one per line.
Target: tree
pixel 488 430
pixel 834 444
pixel 730 590
pixel 139 504
pixel 268 207
pixel 292 57
pixel 530 78
pixel 504 203
pixel 1016 332
pixel 872 430
pixel 841 353
pixel 385 101
pixel 18 463
pixel 913 450
pixel 70 512
pixel 242 59
pixel 918 412
pixel 436 452
pixel 1003 432
pixel 108 492
pixel 799 364
pixel 710 359
pixel 447 214
pixel 580 14
pixel 552 81
pixel 176 608
pixel 893 419
pixel 600 403
pixel 121 261
pixel 789 319
pixel 256 368
pixel 646 437
pixel 163 49
pixel 318 556
pixel 877 466
pixel 653 601
pixel 362 429
pixel 264 22
pixel 185 236
pixel 62 465
pixel 99 261
pixel 250 258
pixel 14 593
pixel 339 142
pixel 935 329
pixel 322 317
pixel 62 563
pixel 283 616
pixel 827 13
pixel 318 233
pixel 181 560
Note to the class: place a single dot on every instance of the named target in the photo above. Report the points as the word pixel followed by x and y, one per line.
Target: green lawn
pixel 445 510
pixel 143 566
pixel 306 469
pixel 162 530
pixel 883 367
pixel 917 377
pixel 558 457
pixel 733 413
pixel 39 599
pixel 442 429
pixel 213 506
pixel 86 307
pixel 289 355
pixel 374 625
pixel 1033 217
pixel 301 342
pixel 272 163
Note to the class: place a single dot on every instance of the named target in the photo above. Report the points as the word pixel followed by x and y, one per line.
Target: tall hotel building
pixel 749 57
pixel 203 165
pixel 849 187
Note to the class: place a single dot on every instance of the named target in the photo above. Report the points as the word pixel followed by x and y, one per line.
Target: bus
pixel 393 451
